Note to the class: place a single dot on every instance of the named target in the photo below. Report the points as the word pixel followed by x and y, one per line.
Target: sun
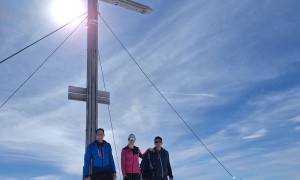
pixel 64 11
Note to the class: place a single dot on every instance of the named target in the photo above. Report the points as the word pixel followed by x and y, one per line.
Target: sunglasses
pixel 157 141
pixel 131 139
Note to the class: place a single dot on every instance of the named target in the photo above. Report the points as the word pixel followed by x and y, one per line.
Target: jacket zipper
pixel 132 161
pixel 162 170
pixel 102 155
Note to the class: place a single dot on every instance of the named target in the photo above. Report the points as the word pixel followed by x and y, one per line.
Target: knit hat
pixel 131 136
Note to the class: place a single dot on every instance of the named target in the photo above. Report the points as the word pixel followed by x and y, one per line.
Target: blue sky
pixel 231 69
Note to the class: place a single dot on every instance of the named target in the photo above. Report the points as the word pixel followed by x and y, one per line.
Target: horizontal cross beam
pixel 80 94
pixel 129 4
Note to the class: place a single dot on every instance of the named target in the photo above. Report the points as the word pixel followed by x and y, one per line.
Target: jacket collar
pixel 100 144
pixel 162 149
pixel 127 147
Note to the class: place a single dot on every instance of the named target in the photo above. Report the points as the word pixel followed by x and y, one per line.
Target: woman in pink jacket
pixel 130 160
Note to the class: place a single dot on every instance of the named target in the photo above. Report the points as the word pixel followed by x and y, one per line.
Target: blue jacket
pixel 101 155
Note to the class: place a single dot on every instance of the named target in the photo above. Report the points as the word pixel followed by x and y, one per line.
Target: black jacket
pixel 160 163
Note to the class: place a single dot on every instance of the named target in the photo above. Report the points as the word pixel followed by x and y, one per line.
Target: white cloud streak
pixel 258 134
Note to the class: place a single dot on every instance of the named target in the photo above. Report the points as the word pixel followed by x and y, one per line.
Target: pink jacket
pixel 130 160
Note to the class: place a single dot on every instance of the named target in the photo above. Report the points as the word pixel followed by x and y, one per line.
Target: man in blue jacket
pixel 103 166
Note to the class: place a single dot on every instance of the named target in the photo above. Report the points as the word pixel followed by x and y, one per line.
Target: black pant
pixel 106 176
pixel 132 176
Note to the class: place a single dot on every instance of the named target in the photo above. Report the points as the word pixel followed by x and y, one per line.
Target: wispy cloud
pixel 48 177
pixel 295 119
pixel 258 134
pixel 8 178
pixel 190 94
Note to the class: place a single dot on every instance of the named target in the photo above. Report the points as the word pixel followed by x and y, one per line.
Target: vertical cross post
pixel 92 72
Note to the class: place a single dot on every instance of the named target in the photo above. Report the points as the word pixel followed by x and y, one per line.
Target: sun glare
pixel 64 11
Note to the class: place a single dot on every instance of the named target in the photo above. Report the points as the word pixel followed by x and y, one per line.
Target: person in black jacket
pixel 145 168
pixel 159 161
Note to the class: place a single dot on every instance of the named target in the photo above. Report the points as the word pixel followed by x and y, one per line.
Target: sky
pixel 230 68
